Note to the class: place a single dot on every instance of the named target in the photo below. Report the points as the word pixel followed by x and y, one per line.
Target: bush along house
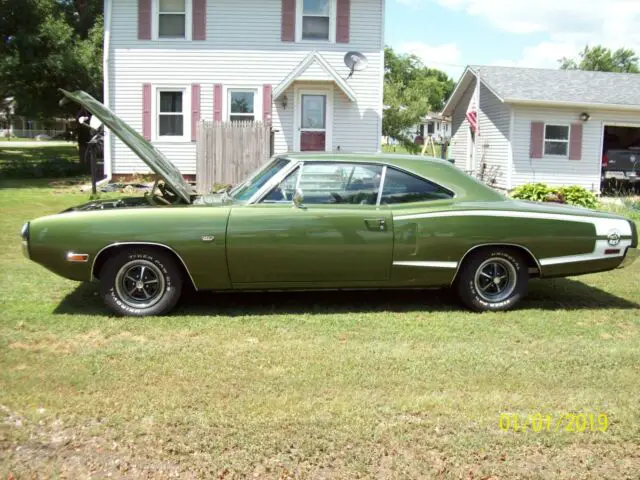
pixel 312 69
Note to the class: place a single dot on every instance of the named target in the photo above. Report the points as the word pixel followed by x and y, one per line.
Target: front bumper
pixel 630 257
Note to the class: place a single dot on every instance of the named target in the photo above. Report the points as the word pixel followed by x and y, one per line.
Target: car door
pixel 338 236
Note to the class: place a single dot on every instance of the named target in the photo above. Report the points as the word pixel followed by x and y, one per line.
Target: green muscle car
pixel 321 221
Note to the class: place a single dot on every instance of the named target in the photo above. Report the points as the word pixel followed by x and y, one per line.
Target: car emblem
pixel 613 239
pixel 633 158
pixel 208 238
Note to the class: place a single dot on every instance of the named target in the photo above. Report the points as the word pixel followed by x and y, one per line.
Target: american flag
pixel 472 110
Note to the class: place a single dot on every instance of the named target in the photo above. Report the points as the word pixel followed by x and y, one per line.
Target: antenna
pixel 355 62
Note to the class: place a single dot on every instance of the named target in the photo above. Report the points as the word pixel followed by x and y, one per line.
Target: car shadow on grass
pixel 558 294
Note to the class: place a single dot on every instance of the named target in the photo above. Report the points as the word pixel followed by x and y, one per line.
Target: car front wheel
pixel 141 282
pixel 493 279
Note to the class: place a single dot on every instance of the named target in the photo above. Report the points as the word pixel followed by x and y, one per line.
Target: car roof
pixel 437 170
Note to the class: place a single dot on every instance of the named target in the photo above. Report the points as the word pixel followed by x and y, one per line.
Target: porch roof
pixel 324 72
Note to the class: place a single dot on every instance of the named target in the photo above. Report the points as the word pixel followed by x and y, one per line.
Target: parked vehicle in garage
pixel 620 159
pixel 321 221
pixel 622 164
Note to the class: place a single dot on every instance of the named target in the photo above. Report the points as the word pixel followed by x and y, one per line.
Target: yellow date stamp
pixel 567 422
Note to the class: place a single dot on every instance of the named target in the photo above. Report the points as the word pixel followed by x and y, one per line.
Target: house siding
pixel 560 170
pixel 493 142
pixel 460 130
pixel 243 49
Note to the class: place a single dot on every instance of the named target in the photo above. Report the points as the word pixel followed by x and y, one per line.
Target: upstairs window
pixel 556 140
pixel 172 19
pixel 316 20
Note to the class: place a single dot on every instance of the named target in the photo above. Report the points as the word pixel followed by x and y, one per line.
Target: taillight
pixel 605 161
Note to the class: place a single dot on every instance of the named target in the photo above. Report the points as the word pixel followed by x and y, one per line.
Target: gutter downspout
pixel 106 89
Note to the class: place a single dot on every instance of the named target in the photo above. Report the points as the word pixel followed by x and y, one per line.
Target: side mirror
pixel 298 198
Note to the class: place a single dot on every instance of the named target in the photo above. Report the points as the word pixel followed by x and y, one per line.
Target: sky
pixel 449 34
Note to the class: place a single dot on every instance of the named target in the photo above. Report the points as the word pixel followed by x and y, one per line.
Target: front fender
pixel 196 234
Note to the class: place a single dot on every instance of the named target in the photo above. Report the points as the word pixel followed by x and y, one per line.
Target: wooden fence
pixel 228 151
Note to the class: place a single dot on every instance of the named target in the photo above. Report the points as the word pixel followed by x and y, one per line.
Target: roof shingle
pixel 515 84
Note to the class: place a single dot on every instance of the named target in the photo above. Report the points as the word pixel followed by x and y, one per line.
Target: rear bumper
pixel 630 257
pixel 627 176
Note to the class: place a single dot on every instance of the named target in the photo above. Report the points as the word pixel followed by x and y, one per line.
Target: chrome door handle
pixel 376 224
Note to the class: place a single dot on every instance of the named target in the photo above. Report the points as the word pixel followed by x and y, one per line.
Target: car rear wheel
pixel 141 282
pixel 493 279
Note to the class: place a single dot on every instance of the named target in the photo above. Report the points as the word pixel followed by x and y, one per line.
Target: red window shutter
pixel 144 19
pixel 217 102
pixel 288 20
pixel 575 142
pixel 343 19
pixel 195 111
pixel 199 19
pixel 146 111
pixel 537 139
pixel 267 102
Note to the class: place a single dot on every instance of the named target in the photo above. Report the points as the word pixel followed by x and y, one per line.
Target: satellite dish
pixel 355 62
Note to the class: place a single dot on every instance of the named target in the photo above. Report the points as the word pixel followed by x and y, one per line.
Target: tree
pixel 46 45
pixel 411 90
pixel 602 59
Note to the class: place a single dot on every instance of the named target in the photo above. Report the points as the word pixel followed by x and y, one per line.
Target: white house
pixel 172 63
pixel 12 125
pixel 436 126
pixel 538 125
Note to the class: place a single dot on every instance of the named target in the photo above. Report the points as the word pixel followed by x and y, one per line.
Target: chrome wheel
pixel 495 279
pixel 140 284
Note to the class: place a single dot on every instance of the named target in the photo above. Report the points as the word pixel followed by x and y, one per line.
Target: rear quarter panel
pixel 423 240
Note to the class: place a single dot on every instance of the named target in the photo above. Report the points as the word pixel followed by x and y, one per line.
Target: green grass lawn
pixel 38 160
pixel 401 149
pixel 309 385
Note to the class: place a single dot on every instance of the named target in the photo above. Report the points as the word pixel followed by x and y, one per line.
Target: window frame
pixel 332 23
pixel 545 140
pixel 257 100
pixel 406 172
pixel 259 196
pixel 155 24
pixel 186 114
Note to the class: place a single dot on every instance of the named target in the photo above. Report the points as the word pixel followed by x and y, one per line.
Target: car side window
pixel 340 183
pixel 284 191
pixel 329 183
pixel 402 187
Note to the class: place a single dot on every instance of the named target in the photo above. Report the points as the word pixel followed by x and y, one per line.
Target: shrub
pixel 580 196
pixel 535 192
pixel 540 192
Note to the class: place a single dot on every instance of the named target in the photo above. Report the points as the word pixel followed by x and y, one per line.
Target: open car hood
pixel 150 155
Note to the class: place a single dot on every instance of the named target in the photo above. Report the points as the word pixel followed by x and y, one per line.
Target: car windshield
pixel 245 191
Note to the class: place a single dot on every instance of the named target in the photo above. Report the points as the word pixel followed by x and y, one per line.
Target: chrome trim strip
pixel 260 194
pixel 299 179
pixel 427 264
pixel 383 177
pixel 119 244
pixel 84 257
pixel 500 244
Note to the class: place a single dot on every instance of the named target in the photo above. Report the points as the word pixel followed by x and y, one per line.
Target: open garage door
pixel 620 160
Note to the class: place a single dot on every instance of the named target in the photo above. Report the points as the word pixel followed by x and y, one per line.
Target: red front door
pixel 313 141
pixel 313 125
